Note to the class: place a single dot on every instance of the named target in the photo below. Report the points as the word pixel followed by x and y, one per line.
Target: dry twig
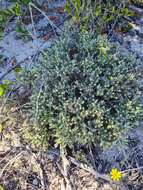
pixel 91 170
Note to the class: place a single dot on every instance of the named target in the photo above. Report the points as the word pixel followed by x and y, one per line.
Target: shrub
pixel 84 91
pixel 14 9
pixel 98 15
pixel 138 2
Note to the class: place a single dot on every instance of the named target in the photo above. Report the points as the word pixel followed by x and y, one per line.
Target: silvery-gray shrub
pixel 85 90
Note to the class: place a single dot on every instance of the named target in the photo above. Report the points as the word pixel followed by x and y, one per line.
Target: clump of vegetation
pixel 138 2
pixel 97 15
pixel 15 9
pixel 84 91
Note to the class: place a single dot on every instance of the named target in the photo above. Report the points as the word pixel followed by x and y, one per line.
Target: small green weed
pixel 97 15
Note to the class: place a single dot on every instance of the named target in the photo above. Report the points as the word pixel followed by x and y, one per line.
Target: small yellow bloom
pixel 115 174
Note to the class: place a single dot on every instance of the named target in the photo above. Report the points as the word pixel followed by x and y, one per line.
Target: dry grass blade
pixel 90 169
pixel 11 162
pixel 41 170
pixel 44 14
pixel 65 171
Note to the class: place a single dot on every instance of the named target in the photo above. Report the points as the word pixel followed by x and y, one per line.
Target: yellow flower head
pixel 115 174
